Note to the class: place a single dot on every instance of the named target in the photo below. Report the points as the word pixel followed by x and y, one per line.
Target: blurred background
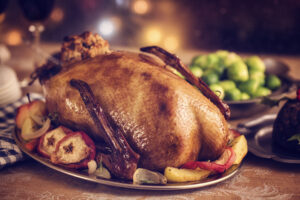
pixel 251 26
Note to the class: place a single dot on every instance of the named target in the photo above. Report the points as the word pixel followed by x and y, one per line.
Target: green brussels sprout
pixel 218 90
pixel 196 70
pixel 212 60
pixel 227 85
pixel 238 72
pixel 233 95
pixel 219 69
pixel 249 86
pixel 222 54
pixel 200 61
pixel 210 77
pixel 261 92
pixel 255 63
pixel 257 75
pixel 232 58
pixel 245 96
pixel 273 82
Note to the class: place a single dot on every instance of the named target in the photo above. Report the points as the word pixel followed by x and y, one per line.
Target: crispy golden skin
pixel 165 119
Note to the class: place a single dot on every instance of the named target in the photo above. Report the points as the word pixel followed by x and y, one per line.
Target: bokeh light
pixel 2 17
pixel 106 27
pixel 57 15
pixel 153 35
pixel 13 38
pixel 140 6
pixel 171 43
pixel 109 26
pixel 122 3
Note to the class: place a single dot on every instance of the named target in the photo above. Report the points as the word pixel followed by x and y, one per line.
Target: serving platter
pixel 121 183
pixel 259 137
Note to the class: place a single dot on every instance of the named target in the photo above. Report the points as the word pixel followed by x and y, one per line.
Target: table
pixel 257 178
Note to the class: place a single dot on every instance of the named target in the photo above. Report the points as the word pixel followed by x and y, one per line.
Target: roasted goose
pixel 164 119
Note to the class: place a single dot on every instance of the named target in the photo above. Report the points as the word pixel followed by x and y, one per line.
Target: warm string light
pixel 140 7
pixel 57 15
pixel 171 43
pixel 2 17
pixel 13 37
pixel 155 36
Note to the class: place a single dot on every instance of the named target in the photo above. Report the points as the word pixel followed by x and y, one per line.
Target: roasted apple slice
pixel 31 119
pixel 27 127
pixel 31 130
pixel 35 109
pixel 75 150
pixel 48 142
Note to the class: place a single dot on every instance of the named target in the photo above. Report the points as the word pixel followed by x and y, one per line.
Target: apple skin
pixel 36 107
pixel 32 144
pixel 57 133
pixel 82 164
pixel 22 114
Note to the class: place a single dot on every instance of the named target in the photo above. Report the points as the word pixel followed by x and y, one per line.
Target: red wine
pixel 36 10
pixel 3 4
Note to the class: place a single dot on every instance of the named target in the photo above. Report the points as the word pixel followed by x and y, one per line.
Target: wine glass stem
pixel 37 37
pixel 36 29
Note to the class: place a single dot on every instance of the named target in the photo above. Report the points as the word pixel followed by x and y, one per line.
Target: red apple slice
pixel 48 142
pixel 31 145
pixel 74 151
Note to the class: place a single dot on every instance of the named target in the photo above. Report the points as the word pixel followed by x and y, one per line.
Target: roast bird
pixel 164 118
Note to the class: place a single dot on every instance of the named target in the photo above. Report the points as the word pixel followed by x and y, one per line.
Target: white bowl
pixel 10 90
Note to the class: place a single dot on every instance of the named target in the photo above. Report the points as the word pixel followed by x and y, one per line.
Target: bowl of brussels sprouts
pixel 242 82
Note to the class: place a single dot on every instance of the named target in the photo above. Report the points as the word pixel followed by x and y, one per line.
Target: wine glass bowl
pixel 36 10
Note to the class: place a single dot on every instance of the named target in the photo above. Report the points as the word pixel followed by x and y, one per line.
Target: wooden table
pixel 256 179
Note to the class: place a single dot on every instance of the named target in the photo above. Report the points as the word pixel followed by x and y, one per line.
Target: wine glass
pixel 36 11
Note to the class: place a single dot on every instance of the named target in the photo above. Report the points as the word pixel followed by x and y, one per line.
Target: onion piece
pixel 102 172
pixel 92 166
pixel 37 119
pixel 145 176
pixel 39 132
pixel 231 159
